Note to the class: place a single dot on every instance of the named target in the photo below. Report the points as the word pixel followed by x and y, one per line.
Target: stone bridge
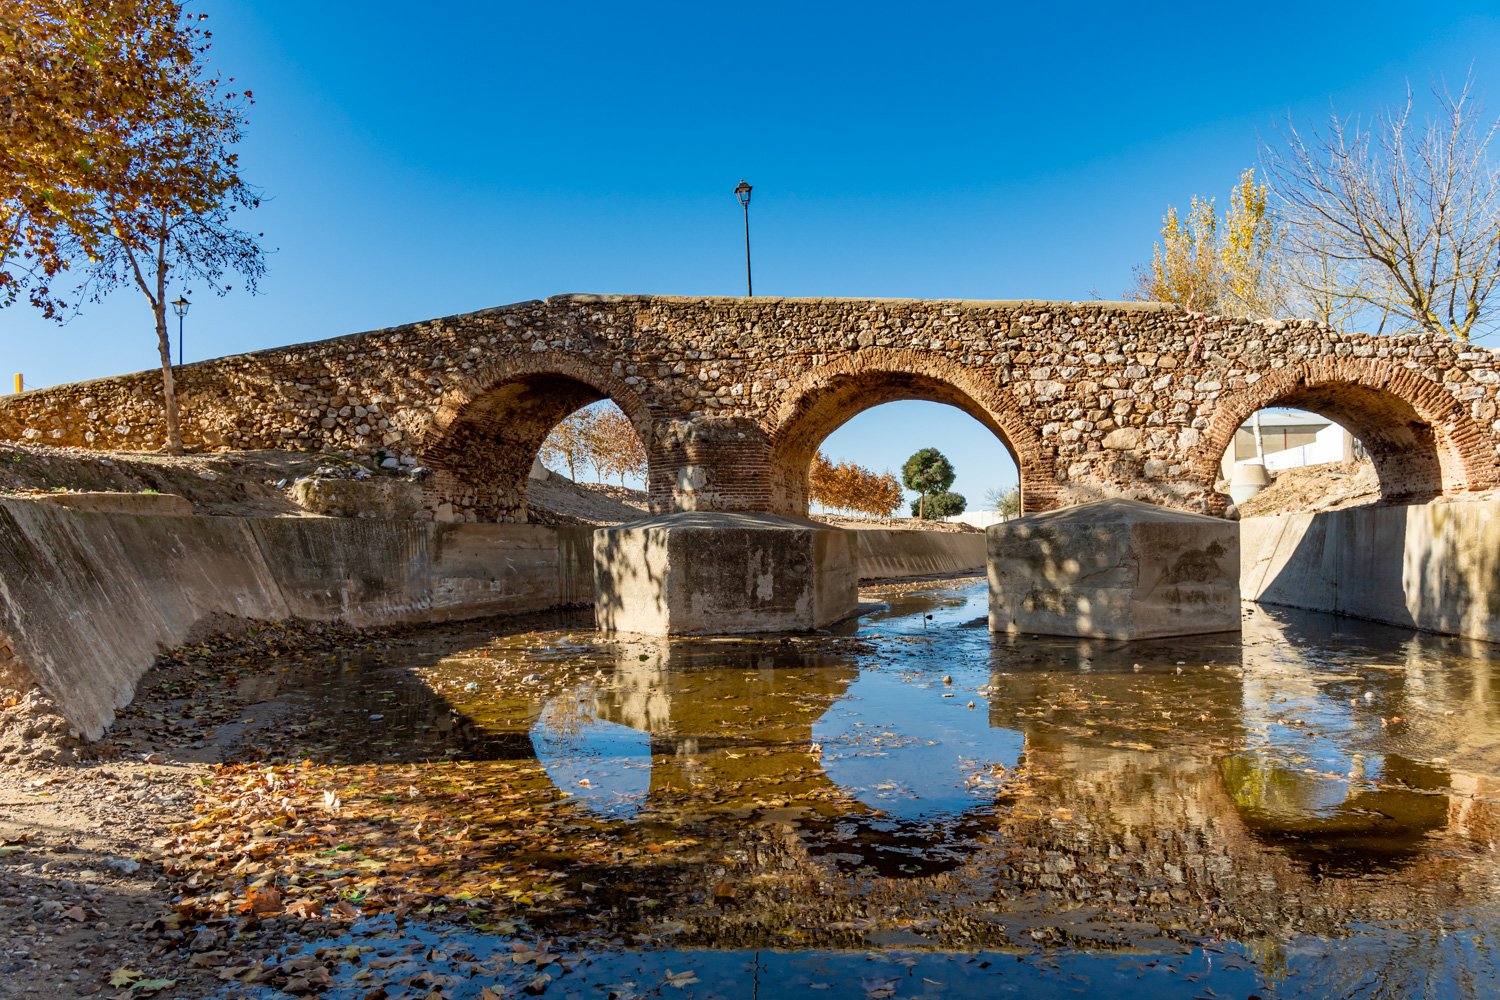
pixel 732 397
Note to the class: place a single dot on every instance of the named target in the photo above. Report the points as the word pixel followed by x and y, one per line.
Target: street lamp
pixel 180 307
pixel 743 193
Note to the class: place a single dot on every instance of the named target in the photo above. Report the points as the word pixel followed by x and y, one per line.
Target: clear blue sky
pixel 423 160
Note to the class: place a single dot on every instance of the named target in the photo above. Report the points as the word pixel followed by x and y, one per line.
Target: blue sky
pixel 427 160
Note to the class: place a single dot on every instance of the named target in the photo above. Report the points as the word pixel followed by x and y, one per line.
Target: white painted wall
pixel 1328 446
pixel 978 518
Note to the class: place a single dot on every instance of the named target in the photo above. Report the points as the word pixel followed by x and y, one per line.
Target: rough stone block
pixel 714 572
pixel 1116 569
pixel 384 498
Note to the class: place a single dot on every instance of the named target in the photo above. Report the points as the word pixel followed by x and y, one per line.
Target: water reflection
pixel 925 784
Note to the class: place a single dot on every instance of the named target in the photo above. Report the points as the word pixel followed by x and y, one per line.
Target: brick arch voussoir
pixel 1016 432
pixel 1469 463
pixel 459 398
pixel 1018 435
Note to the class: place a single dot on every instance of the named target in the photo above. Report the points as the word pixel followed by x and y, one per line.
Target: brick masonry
pixel 733 396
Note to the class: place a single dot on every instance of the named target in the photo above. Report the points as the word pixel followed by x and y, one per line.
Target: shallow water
pixel 918 808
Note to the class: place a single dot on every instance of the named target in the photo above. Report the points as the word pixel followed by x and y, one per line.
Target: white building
pixel 1291 438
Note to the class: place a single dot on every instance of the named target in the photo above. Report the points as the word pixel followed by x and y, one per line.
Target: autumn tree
pixel 886 495
pixel 849 487
pixel 925 473
pixel 571 442
pixel 167 214
pixel 1214 265
pixel 822 485
pixel 615 447
pixel 79 82
pixel 1403 214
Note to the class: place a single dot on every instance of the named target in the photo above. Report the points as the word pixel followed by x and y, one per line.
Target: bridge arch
pixel 488 430
pixel 1422 442
pixel 831 395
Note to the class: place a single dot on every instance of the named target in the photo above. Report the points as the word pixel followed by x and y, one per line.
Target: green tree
pixel 926 472
pixel 938 505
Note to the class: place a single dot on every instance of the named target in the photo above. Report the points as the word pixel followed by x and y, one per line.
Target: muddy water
pixel 918 808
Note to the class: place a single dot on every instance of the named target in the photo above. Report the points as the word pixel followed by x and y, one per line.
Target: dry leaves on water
pixel 480 842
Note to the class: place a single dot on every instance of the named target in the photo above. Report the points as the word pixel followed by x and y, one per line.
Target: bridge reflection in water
pixel 1310 776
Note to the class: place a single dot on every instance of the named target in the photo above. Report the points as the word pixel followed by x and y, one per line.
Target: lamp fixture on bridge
pixel 180 307
pixel 743 193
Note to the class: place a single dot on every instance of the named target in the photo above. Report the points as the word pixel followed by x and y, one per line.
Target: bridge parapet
pixel 732 396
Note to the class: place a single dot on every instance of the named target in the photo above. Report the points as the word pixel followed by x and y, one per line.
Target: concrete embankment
pixel 1431 566
pixel 90 599
pixel 894 554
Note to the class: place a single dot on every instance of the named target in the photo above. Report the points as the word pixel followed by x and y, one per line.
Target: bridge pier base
pixel 1114 569
pixel 721 572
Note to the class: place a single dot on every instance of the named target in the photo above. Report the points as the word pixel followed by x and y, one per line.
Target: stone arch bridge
pixel 732 396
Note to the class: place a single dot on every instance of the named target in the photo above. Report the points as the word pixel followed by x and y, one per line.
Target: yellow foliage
pixel 1212 265
pixel 846 486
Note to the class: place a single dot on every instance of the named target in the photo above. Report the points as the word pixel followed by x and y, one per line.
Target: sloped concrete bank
pixel 88 600
pixel 1434 566
pixel 895 554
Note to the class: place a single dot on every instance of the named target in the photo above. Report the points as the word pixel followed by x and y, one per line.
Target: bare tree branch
pixel 1394 217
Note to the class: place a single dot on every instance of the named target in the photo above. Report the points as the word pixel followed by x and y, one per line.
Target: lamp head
pixel 180 305
pixel 743 193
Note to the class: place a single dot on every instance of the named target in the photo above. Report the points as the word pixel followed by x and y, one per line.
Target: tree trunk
pixel 168 385
pixel 922 507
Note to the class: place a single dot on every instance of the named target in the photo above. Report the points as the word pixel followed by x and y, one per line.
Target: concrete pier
pixel 714 572
pixel 1114 569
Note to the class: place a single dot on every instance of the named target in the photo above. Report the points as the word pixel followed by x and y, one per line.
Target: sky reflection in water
pixel 1315 791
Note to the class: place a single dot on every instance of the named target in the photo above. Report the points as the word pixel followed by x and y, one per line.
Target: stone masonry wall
pixel 732 396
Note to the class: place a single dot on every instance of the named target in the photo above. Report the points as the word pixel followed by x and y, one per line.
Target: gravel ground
pixel 84 894
pixel 1332 486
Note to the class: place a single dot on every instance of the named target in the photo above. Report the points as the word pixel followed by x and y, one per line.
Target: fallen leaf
pixel 681 979
pixel 146 986
pixel 76 913
pixel 261 901
pixel 124 977
pixel 302 908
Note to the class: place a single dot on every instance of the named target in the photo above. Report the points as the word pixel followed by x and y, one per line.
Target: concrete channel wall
pixel 1434 566
pixel 88 600
pixel 894 554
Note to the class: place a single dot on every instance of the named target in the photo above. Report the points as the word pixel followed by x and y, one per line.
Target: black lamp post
pixel 180 307
pixel 743 193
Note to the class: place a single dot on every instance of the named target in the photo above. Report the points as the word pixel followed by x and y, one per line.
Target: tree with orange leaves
pixel 116 158
pixel 616 447
pixel 850 487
